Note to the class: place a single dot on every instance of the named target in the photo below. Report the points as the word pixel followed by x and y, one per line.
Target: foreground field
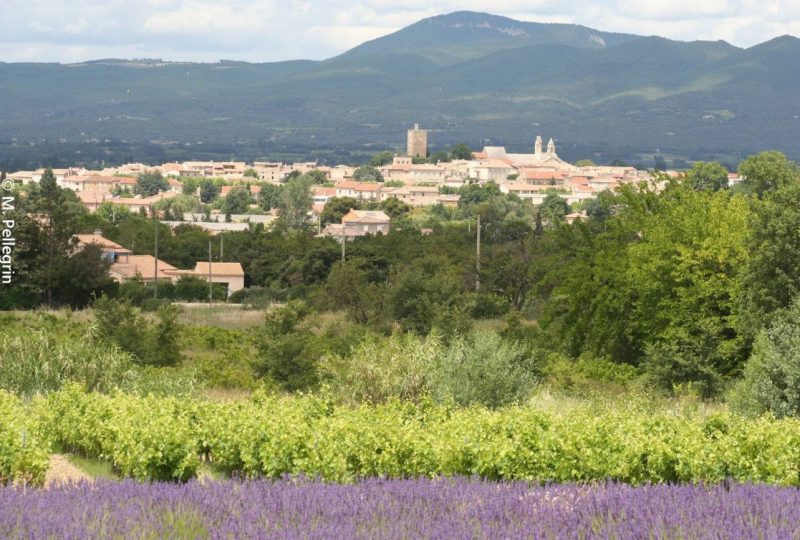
pixel 439 508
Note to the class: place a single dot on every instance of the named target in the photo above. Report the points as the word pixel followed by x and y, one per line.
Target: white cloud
pixel 268 30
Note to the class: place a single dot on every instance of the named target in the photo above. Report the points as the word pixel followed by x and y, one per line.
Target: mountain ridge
pixel 485 80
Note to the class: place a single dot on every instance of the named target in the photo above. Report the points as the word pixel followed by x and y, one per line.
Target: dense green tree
pixel 209 191
pixel 250 173
pixel 585 163
pixel 350 287
pixel 771 278
pixel 382 158
pixel 150 183
pixel 601 207
pixel 660 281
pixel 60 211
pixel 296 202
pixel 367 173
pixel 337 207
pixel 428 293
pixel 81 277
pixel 461 151
pixel 767 171
pixel 771 381
pixel 269 197
pixel 395 208
pixel 237 201
pixel 317 176
pixel 472 194
pixel 707 176
pixel 288 349
pixel 439 157
pixel 154 344
pixel 553 209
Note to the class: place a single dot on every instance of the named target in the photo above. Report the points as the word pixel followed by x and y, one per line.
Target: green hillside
pixel 466 76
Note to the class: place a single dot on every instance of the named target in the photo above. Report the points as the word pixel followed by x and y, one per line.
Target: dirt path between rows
pixel 63 472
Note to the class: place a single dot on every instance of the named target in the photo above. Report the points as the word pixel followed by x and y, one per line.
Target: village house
pixel 228 170
pixel 92 200
pixel 491 170
pixel 270 171
pixel 125 265
pixel 364 191
pixel 358 223
pixel 414 195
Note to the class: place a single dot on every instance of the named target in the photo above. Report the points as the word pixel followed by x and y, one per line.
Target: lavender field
pixel 443 508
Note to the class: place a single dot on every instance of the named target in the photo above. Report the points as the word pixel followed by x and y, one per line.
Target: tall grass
pixel 39 361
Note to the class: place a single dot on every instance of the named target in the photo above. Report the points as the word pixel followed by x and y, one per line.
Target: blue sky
pixel 269 30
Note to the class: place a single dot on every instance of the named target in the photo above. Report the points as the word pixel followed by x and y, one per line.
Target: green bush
pixel 587 374
pixel 156 344
pixel 252 297
pixel 222 357
pixel 484 369
pixel 771 381
pixel 288 349
pixel 381 368
pixel 195 289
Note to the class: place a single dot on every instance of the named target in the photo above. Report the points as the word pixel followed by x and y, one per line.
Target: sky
pixel 274 30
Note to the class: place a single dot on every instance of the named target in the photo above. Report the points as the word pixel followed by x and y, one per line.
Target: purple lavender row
pixel 423 508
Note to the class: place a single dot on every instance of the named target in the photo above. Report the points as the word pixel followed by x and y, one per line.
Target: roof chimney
pixel 98 232
pixel 416 126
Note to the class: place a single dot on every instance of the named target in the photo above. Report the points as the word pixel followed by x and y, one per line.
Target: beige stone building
pixel 358 223
pixel 417 144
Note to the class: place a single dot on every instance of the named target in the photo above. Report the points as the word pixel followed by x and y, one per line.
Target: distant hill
pixel 465 76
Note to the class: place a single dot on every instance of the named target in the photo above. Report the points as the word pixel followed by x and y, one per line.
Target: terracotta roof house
pixel 228 273
pixel 127 266
pixel 143 267
pixel 359 190
pixel 359 223
pixel 112 251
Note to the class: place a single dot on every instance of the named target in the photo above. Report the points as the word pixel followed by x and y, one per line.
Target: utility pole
pixel 221 246
pixel 210 285
pixel 344 241
pixel 478 258
pixel 155 254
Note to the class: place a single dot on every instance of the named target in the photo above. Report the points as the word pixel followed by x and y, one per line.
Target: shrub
pixel 288 350
pixel 485 369
pixel 380 369
pixel 771 381
pixel 195 289
pixel 156 344
pixel 252 297
pixel 587 373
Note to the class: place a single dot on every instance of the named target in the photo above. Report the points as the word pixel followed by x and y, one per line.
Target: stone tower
pixel 551 147
pixel 417 142
pixel 538 146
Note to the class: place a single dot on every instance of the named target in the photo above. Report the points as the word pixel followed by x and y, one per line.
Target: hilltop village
pixel 341 202
pixel 409 178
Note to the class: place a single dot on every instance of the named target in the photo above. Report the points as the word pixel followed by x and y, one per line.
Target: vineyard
pixel 267 436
